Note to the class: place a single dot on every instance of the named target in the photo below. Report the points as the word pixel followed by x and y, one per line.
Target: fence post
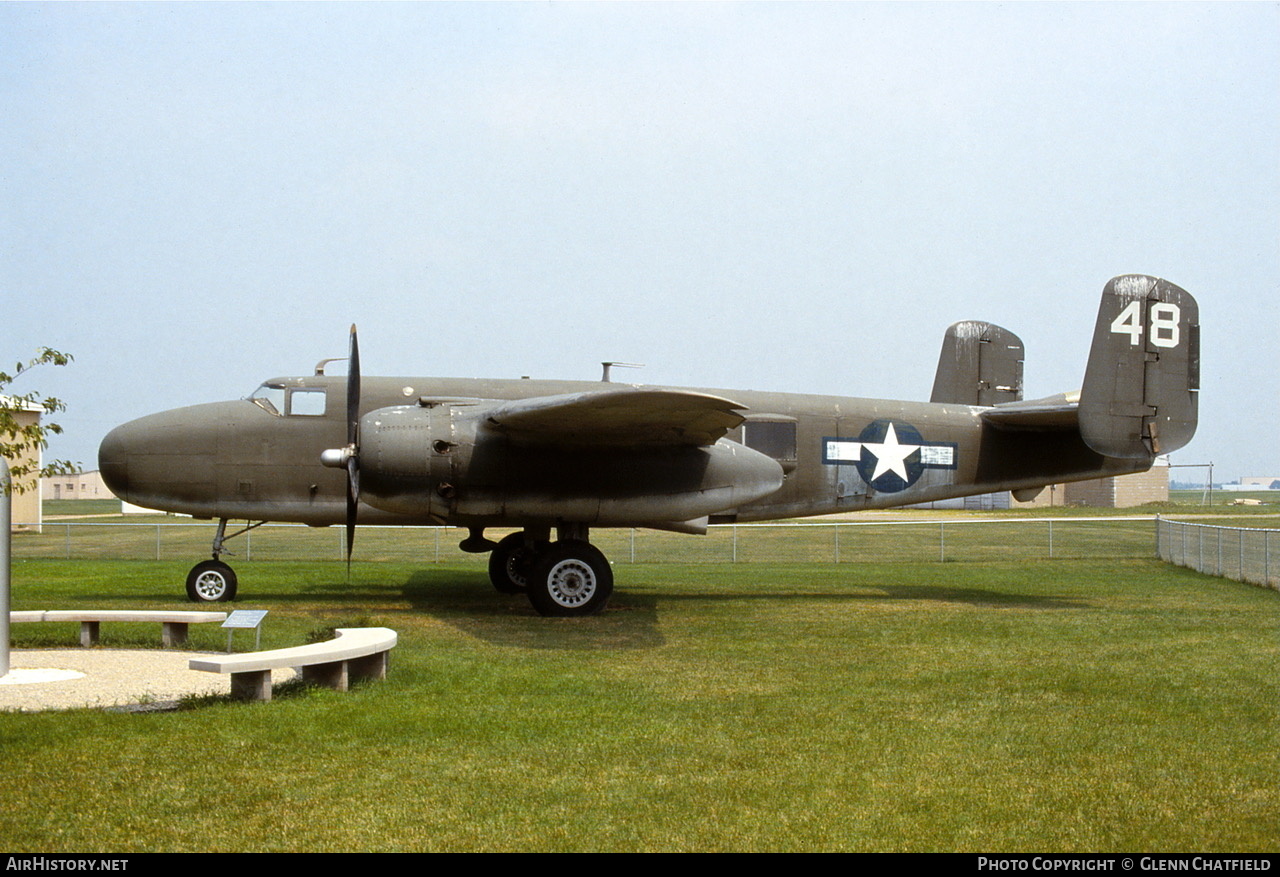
pixel 157 541
pixel 942 541
pixel 1051 540
pixel 837 529
pixel 735 544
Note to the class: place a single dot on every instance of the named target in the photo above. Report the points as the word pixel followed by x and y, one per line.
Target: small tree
pixel 18 441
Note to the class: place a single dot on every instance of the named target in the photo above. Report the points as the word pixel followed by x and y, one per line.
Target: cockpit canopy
pixel 284 400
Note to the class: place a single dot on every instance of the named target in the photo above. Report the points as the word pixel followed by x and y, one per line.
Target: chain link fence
pixel 1245 554
pixel 793 542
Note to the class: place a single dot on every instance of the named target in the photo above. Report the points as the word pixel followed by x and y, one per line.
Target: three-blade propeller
pixel 349 457
pixel 353 429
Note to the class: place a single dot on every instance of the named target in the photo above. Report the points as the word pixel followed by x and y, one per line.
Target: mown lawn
pixel 986 706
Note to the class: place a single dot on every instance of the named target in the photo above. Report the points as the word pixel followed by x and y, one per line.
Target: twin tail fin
pixel 1141 388
pixel 1141 385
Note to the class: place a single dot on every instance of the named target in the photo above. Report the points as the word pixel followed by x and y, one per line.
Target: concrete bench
pixel 173 625
pixel 354 654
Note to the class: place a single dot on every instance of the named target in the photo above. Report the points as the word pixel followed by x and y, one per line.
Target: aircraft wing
pixel 617 417
pixel 1052 414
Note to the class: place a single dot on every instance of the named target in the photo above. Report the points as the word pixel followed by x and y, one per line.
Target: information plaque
pixel 245 619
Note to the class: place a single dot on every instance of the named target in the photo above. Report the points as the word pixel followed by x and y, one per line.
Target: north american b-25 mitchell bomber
pixel 554 459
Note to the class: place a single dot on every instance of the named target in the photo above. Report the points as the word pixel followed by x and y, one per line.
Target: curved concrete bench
pixel 354 654
pixel 173 625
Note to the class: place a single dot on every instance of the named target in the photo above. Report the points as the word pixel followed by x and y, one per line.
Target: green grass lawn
pixel 60 508
pixel 985 706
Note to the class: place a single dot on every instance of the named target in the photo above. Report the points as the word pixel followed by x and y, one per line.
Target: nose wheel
pixel 211 581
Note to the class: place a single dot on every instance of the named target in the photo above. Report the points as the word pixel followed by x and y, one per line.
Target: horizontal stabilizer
pixel 1051 414
pixel 618 417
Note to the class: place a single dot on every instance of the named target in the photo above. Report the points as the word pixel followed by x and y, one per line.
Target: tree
pixel 18 443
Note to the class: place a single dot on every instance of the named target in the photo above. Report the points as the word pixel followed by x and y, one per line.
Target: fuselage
pixel 553 460
pixel 259 459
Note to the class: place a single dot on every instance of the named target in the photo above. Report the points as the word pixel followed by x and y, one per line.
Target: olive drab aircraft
pixel 551 460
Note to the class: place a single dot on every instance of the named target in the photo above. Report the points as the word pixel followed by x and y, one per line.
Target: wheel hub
pixel 211 585
pixel 571 583
pixel 518 569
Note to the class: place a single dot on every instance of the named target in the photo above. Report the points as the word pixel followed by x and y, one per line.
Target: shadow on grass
pixel 893 593
pixel 469 603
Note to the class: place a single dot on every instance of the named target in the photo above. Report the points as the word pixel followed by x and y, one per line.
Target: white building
pixel 26 495
pixel 83 485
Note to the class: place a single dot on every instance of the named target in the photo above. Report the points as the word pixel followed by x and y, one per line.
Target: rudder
pixel 1141 387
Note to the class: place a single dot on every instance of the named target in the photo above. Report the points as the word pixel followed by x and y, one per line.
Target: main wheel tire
pixel 211 581
pixel 570 578
pixel 511 563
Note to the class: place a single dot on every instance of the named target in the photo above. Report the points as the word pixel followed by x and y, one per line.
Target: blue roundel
pixel 890 459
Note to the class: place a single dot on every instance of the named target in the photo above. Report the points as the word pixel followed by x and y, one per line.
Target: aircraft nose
pixel 113 456
pixel 164 460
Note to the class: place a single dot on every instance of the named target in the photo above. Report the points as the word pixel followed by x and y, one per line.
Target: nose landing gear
pixel 212 581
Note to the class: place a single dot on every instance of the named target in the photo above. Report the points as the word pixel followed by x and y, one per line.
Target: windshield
pixel 269 397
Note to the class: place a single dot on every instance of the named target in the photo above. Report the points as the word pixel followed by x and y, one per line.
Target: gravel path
pixel 107 678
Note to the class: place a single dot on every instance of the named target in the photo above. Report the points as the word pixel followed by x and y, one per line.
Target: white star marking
pixel 890 455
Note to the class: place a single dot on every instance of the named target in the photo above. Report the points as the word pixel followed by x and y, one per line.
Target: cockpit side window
pixel 290 401
pixel 307 402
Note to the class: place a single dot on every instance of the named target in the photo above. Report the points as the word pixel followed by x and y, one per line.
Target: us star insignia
pixel 890 455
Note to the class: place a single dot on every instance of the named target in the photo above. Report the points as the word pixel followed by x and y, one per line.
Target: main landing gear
pixel 212 581
pixel 567 577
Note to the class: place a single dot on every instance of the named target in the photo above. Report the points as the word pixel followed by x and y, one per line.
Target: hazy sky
pixel 788 197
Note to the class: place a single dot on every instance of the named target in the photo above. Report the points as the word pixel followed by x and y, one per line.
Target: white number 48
pixel 1164 323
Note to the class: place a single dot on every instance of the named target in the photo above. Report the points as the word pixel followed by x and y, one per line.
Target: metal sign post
pixel 245 619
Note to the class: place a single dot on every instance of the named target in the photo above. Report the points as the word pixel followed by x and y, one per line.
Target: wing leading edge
pixel 627 416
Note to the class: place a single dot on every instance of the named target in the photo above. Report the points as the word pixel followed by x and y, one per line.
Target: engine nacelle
pixel 408 456
pixel 441 461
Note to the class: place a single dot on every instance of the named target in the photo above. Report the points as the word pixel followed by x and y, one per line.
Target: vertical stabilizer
pixel 980 364
pixel 1141 386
